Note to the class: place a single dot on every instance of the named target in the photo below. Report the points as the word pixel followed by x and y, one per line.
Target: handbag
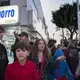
pixel 50 66
pixel 45 75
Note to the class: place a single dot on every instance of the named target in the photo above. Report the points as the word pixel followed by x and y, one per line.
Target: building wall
pixel 31 14
pixel 23 14
pixel 18 2
pixel 39 9
pixel 38 16
pixel 30 17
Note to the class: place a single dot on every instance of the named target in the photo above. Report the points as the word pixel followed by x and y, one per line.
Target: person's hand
pixel 16 34
pixel 77 74
pixel 61 58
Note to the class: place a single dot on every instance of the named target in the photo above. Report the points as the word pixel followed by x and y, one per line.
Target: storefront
pixel 9 17
pixel 19 19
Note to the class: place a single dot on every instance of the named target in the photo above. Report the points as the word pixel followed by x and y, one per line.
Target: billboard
pixel 9 15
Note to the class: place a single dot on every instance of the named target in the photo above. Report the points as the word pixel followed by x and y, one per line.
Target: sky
pixel 48 6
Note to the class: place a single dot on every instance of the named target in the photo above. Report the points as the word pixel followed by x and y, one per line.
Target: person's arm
pixel 35 75
pixel 6 56
pixel 69 74
pixel 54 62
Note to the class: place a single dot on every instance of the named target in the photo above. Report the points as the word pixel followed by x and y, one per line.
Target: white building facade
pixel 30 19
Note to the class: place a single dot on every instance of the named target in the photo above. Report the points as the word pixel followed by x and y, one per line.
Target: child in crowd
pixel 22 68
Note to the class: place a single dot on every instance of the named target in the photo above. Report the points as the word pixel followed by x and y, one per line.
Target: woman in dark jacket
pixel 41 55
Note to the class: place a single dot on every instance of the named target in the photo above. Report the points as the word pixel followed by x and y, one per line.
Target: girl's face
pixel 41 45
pixel 22 54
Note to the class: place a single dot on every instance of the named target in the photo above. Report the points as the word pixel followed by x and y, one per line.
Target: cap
pixel 23 34
pixel 52 40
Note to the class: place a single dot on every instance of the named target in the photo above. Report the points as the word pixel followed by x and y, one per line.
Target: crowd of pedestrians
pixel 40 60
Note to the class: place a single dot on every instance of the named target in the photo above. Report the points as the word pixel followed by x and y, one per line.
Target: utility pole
pixel 78 17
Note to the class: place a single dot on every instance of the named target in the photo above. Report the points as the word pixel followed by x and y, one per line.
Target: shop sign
pixel 9 14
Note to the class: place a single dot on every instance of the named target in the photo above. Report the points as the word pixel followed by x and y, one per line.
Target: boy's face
pixel 22 54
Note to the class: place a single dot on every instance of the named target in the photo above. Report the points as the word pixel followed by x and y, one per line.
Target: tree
pixel 66 17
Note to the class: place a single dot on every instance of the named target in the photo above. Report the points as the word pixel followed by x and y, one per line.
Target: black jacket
pixel 49 66
pixel 3 61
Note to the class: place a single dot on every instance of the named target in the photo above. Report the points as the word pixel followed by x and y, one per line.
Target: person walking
pixel 52 47
pixel 3 55
pixel 66 52
pixel 41 55
pixel 22 68
pixel 23 36
pixel 62 71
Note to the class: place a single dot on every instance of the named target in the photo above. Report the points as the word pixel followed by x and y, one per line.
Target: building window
pixel 4 2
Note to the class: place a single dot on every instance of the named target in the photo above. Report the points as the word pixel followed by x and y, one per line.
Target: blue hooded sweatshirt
pixel 62 69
